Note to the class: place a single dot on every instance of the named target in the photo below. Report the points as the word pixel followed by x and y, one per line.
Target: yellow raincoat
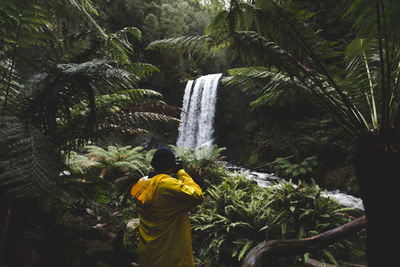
pixel 163 204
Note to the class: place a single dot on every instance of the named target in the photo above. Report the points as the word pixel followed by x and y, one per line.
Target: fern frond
pixel 83 96
pixel 87 9
pixel 80 163
pixel 28 163
pixel 103 76
pixel 23 23
pixel 125 159
pixel 200 46
pixel 131 166
pixel 137 118
pixel 362 66
pixel 117 46
pixel 143 69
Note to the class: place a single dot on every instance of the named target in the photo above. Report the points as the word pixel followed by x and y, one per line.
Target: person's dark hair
pixel 163 159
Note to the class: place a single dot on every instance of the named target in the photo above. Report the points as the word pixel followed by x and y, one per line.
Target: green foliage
pixel 75 103
pixel 203 163
pixel 270 87
pixel 152 26
pixel 100 179
pixel 50 104
pixel 228 211
pixel 237 215
pixel 78 163
pixel 199 46
pixel 71 102
pixel 28 164
pixel 158 19
pixel 121 160
pixel 295 170
pixel 362 61
pixel 22 24
pixel 278 37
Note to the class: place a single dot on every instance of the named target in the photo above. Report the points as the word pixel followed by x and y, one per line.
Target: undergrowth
pixel 236 215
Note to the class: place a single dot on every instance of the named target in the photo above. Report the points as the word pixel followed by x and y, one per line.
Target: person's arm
pixel 190 186
pixel 184 191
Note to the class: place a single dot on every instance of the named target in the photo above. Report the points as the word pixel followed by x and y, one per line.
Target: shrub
pixel 204 164
pixel 295 170
pixel 237 215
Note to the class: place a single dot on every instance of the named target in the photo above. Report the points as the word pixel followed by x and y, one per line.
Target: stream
pixel 267 179
pixel 197 128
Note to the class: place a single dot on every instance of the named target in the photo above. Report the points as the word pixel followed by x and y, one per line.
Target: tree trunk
pixel 5 229
pixel 378 173
pixel 264 254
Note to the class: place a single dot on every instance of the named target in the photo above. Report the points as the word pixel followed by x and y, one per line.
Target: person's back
pixel 163 202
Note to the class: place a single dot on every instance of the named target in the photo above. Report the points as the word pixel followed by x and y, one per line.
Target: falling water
pixel 197 119
pixel 197 129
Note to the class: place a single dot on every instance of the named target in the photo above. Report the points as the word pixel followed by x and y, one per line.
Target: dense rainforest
pixel 309 91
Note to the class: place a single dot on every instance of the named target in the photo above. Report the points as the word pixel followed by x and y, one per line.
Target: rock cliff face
pixel 231 119
pixel 256 137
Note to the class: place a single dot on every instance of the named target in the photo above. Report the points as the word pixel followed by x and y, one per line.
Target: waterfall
pixel 197 129
pixel 197 118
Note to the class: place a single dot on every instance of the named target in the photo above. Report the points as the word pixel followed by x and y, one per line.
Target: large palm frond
pixel 199 46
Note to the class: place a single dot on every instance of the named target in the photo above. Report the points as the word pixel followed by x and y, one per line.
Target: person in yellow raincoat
pixel 163 204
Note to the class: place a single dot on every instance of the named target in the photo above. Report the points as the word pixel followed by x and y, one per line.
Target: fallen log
pixel 265 253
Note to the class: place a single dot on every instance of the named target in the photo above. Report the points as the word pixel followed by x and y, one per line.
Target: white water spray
pixel 197 119
pixel 197 129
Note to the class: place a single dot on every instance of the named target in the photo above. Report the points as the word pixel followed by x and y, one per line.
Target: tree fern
pixel 87 9
pixel 118 47
pixel 125 159
pixel 264 33
pixel 200 46
pixel 10 85
pixel 374 25
pixel 269 86
pixel 59 102
pixel 80 100
pixel 21 27
pixel 28 163
pixel 362 63
pixel 80 163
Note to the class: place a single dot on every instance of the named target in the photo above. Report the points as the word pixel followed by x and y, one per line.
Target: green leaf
pixel 244 249
pixel 29 164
